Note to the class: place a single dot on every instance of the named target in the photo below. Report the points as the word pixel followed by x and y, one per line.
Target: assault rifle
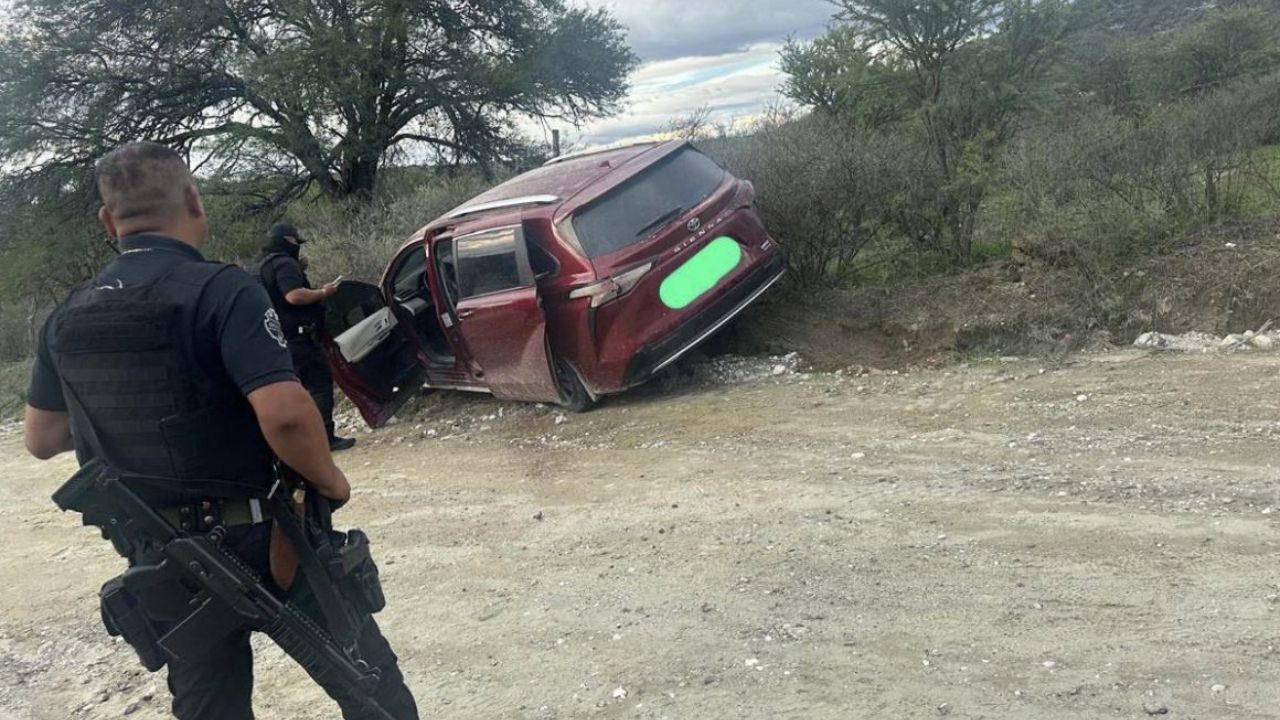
pixel 213 591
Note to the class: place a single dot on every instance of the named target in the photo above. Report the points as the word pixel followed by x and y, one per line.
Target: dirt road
pixel 994 540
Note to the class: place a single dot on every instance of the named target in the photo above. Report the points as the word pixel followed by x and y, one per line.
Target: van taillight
pixel 613 288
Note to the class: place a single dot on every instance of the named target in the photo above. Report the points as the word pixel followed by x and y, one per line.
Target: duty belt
pixel 209 514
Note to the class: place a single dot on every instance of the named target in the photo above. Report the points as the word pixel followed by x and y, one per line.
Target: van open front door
pixel 374 362
pixel 500 316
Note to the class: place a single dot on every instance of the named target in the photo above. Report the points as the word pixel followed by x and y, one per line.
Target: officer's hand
pixel 329 289
pixel 337 489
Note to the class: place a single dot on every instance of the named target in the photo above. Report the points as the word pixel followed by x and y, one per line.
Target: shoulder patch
pixel 272 322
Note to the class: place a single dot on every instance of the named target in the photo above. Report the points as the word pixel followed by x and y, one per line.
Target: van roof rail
pixel 503 204
pixel 598 151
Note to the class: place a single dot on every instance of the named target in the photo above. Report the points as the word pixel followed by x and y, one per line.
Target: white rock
pixel 1218 688
pixel 1263 342
pixel 752 662
pixel 1082 398
pixel 779 370
pixel 1151 340
pixel 619 693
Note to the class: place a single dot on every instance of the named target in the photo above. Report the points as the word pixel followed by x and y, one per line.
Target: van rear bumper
pixel 657 356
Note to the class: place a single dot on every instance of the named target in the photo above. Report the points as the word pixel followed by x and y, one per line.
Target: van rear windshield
pixel 628 215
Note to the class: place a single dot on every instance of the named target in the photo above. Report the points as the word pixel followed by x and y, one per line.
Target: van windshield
pixel 647 202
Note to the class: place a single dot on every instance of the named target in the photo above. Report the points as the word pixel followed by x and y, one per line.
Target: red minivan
pixel 582 278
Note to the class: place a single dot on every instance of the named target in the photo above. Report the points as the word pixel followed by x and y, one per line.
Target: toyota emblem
pixel 694 225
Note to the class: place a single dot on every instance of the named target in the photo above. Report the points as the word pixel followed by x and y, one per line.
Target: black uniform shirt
pixel 237 331
pixel 282 274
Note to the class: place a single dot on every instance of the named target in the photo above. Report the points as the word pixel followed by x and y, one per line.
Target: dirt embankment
pixel 1088 539
pixel 1218 280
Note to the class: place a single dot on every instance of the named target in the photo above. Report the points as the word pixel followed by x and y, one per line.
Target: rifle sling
pixel 336 612
pixel 341 625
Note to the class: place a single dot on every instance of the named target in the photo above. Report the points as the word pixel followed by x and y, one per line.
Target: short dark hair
pixel 143 179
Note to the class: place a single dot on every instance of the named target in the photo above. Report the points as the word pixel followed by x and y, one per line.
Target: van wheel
pixel 573 394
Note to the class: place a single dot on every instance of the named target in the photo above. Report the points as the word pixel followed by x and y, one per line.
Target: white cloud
pixel 733 86
pixel 665 29
pixel 714 53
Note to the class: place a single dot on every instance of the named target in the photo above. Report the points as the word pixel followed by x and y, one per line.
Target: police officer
pixel 169 366
pixel 301 310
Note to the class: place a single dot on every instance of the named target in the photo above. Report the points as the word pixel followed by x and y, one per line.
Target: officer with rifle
pixel 205 462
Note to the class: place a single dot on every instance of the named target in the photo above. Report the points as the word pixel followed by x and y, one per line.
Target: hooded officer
pixel 171 367
pixel 301 310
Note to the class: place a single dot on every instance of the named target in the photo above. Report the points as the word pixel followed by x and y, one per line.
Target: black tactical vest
pixel 129 365
pixel 292 317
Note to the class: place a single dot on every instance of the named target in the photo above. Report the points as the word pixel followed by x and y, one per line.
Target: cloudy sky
pixel 718 53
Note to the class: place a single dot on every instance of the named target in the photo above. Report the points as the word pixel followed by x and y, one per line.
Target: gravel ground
pixel 1003 539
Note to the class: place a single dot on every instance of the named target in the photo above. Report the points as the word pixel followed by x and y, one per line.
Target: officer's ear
pixel 108 222
pixel 195 205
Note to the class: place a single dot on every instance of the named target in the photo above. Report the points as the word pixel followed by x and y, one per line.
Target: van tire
pixel 573 394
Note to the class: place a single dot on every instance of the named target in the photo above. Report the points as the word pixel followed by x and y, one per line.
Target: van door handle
pixel 463 314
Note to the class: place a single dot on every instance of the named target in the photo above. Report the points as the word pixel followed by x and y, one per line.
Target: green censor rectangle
pixel 701 273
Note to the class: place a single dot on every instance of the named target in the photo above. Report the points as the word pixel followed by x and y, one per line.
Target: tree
pixel 923 35
pixel 1220 47
pixel 836 75
pixel 325 90
pixel 953 74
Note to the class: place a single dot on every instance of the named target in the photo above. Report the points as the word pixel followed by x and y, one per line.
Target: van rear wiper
pixel 661 220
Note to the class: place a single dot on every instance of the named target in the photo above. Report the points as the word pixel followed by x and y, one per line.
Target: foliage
pixel 835 75
pixel 951 83
pixel 1223 46
pixel 952 88
pixel 358 243
pixel 1098 192
pixel 319 93
pixel 821 191
pixel 13 388
pixel 48 243
pixel 1131 72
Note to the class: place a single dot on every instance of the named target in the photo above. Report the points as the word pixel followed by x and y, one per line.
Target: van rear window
pixel 633 211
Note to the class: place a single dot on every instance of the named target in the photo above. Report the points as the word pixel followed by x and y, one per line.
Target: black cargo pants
pixel 219 686
pixel 312 367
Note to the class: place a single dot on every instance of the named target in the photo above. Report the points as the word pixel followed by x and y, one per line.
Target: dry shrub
pixel 1103 190
pixel 358 243
pixel 20 325
pixel 820 191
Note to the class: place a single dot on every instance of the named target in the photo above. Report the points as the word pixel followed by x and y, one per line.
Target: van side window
pixel 407 277
pixel 487 263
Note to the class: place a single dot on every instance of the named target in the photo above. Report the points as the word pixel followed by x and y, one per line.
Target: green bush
pixel 14 376
pixel 1100 190
pixel 358 241
pixel 821 191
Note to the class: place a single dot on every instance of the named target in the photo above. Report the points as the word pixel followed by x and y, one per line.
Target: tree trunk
pixel 359 178
pixel 1211 189
pixel 33 328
